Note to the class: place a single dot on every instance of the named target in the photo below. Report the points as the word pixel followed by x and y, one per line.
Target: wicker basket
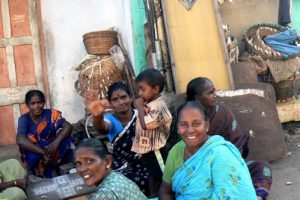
pixel 255 43
pixel 99 42
pixel 97 73
pixel 263 47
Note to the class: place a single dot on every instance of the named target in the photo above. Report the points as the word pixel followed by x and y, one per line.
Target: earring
pixel 107 166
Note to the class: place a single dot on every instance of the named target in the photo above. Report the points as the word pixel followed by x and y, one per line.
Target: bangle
pixel 15 182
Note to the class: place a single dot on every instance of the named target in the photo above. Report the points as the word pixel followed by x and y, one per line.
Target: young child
pixel 152 125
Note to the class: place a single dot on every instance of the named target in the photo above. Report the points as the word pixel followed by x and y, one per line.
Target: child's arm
pixel 139 104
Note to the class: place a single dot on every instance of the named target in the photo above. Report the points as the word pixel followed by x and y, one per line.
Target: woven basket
pixel 99 42
pixel 264 49
pixel 255 43
pixel 97 73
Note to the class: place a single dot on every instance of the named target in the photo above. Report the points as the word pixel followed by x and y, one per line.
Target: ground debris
pixel 289 183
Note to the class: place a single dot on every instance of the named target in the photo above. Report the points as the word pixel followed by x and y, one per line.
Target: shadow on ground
pixel 286 171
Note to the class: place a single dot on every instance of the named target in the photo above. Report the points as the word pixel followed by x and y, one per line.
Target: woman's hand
pixel 21 183
pixel 46 159
pixel 89 96
pixel 97 108
pixel 52 147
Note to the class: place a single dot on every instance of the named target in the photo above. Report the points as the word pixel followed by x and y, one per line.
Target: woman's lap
pixel 13 193
pixel 33 162
pixel 11 170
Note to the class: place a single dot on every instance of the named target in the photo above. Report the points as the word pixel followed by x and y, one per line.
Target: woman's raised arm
pixel 97 109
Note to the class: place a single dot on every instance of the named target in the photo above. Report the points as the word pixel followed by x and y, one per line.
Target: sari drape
pixel 42 133
pixel 215 171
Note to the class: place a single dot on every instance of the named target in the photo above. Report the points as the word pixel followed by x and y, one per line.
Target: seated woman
pixel 222 122
pixel 202 166
pixel 120 128
pixel 12 180
pixel 43 136
pixel 93 163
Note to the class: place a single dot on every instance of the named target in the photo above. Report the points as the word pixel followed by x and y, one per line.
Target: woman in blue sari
pixel 202 166
pixel 223 122
pixel 120 129
pixel 43 136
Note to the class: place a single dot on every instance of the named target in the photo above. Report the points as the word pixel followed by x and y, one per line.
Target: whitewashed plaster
pixel 64 23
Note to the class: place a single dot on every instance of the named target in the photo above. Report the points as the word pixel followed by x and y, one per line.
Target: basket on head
pixel 99 42
pixel 97 73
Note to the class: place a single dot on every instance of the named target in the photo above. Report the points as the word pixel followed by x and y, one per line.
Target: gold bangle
pixel 15 182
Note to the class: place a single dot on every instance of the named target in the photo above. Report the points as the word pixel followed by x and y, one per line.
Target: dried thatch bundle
pixel 284 69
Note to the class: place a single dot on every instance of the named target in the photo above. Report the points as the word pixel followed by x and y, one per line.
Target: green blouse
pixel 174 161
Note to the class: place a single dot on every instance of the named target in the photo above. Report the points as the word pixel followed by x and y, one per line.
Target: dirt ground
pixel 286 171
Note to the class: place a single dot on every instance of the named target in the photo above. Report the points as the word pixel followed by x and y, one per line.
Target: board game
pixel 60 187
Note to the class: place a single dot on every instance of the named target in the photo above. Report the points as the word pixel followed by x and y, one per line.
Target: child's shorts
pixel 150 161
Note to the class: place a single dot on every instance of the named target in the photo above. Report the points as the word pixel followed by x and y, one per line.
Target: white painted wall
pixel 64 23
